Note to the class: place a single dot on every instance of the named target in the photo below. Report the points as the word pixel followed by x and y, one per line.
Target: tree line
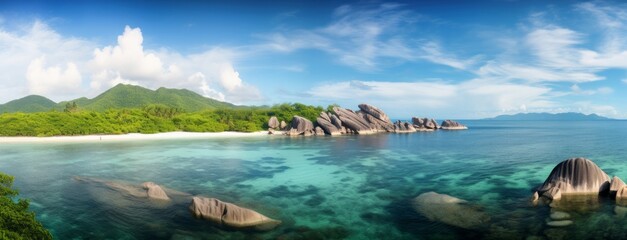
pixel 148 119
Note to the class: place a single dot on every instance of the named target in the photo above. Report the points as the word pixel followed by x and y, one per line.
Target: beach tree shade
pixel 16 221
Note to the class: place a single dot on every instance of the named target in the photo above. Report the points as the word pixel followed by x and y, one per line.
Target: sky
pixel 442 59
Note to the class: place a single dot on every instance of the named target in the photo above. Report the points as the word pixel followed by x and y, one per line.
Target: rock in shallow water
pixel 450 210
pixel 155 191
pixel 576 176
pixel 230 215
pixel 558 215
pixel 561 223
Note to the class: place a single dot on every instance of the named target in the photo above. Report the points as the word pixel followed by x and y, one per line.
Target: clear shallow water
pixel 354 187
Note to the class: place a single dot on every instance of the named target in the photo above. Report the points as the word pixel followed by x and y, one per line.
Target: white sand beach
pixel 132 137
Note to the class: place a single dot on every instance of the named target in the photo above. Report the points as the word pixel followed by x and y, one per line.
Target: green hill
pixel 32 103
pixel 130 96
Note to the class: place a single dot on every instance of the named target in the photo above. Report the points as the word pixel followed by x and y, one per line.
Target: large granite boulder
pixel 452 125
pixel 403 127
pixel 230 215
pixel 615 185
pixel 318 131
pixel 430 123
pixel 575 176
pixel 273 123
pixel 283 125
pixel 450 210
pixel 352 121
pixel 375 123
pixel 418 122
pixel 375 112
pixel 154 191
pixel 300 126
pixel 337 122
pixel 326 123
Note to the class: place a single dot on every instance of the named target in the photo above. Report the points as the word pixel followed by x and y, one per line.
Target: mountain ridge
pixel 543 116
pixel 120 96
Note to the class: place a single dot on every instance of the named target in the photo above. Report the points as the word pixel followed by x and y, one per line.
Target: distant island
pixel 569 116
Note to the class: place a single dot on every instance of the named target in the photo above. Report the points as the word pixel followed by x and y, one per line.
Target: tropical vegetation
pixel 16 221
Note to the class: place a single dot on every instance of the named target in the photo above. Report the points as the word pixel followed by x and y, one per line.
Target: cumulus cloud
pixel 210 73
pixel 44 80
pixel 35 59
pixel 25 55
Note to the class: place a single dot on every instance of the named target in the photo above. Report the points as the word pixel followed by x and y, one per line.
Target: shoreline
pixel 131 137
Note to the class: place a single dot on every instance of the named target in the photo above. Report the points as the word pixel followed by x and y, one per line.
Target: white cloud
pixel 589 108
pixel 210 73
pixel 44 80
pixel 24 52
pixel 466 99
pixel 534 73
pixel 35 59
pixel 602 90
pixel 366 38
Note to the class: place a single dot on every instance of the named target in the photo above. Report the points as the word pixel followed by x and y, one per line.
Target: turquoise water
pixel 346 187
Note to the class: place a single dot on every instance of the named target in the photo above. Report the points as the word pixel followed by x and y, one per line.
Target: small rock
pixel 560 223
pixel 558 215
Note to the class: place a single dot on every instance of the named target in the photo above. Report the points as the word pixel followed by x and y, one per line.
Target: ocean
pixel 342 187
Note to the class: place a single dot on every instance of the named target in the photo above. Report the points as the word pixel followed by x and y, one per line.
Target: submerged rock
pixel 155 191
pixel 558 215
pixel 561 223
pixel 575 176
pixel 273 122
pixel 452 125
pixel 230 215
pixel 450 210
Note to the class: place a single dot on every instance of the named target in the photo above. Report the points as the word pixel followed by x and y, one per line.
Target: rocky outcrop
pixel 352 121
pixel 376 118
pixel 615 185
pixel 375 112
pixel 452 125
pixel 403 127
pixel 283 125
pixel 430 123
pixel 230 215
pixel 575 176
pixel 318 131
pixel 424 123
pixel 300 126
pixel 273 123
pixel 154 191
pixel 327 124
pixel 450 210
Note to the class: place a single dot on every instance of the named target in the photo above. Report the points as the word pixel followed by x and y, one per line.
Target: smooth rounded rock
pixel 558 215
pixel 230 215
pixel 576 176
pixel 560 223
pixel 450 210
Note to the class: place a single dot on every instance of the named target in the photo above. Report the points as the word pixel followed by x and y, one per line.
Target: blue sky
pixel 444 59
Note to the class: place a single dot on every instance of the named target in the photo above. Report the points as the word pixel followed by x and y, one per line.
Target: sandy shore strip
pixel 132 137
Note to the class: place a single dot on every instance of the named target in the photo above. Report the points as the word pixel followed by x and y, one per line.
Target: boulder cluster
pixel 223 214
pixel 367 120
pixel 577 183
